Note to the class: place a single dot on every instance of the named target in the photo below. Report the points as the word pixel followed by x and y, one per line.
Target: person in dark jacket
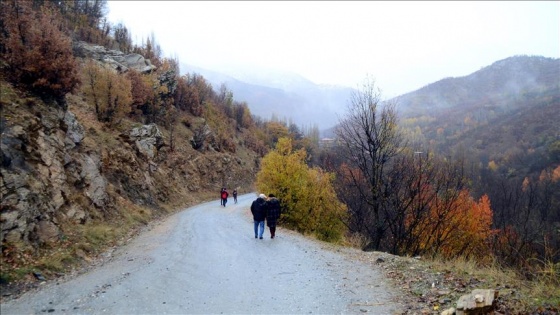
pixel 272 213
pixel 258 209
pixel 235 195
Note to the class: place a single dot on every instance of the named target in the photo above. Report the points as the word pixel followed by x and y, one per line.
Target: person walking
pixel 224 196
pixel 235 195
pixel 272 214
pixel 258 209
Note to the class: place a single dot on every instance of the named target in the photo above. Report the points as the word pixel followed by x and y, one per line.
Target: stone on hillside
pixel 148 140
pixel 74 130
pixel 479 301
pixel 114 58
pixel 46 232
pixel 95 182
pixel 449 311
pixel 76 213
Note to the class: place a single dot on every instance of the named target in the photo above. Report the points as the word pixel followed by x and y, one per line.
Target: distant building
pixel 326 142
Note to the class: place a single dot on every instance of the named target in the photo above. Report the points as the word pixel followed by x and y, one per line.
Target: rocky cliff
pixel 63 173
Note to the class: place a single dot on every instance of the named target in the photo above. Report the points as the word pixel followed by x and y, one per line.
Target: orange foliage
pixel 552 176
pixel 141 89
pixel 525 184
pixel 457 227
pixel 38 53
pixel 556 174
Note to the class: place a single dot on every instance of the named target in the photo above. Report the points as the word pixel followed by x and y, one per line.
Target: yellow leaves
pixel 277 130
pixel 308 198
pixel 492 166
pixel 109 92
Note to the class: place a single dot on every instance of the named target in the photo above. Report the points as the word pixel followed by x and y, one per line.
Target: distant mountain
pixel 282 94
pixel 491 86
pixel 508 112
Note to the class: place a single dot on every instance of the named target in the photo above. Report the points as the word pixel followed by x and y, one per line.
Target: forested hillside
pixel 518 94
pixel 503 123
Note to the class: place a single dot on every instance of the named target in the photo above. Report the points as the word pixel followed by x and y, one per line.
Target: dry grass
pixel 516 292
pixel 57 261
pixel 428 284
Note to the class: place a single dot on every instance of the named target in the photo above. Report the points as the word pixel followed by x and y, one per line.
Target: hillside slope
pixel 494 114
pixel 71 185
pixel 492 87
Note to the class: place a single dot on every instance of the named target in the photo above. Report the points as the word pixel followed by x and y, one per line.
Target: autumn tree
pixel 84 19
pixel 370 139
pixel 193 92
pixel 150 50
pixel 108 91
pixel 276 130
pixel 461 227
pixel 224 100
pixel 38 54
pixel 242 115
pixel 222 130
pixel 122 38
pixel 141 91
pixel 308 198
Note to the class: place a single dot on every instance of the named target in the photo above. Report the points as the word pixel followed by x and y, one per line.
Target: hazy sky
pixel 402 45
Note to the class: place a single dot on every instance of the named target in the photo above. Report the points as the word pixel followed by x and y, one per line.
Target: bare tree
pixel 370 140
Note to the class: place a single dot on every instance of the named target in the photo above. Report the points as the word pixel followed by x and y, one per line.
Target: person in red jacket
pixel 224 196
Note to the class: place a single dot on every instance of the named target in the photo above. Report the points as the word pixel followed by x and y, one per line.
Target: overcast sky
pixel 402 45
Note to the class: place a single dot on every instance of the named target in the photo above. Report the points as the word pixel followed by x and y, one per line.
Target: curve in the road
pixel 205 260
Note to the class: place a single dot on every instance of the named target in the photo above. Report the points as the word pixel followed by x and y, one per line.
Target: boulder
pixel 138 63
pixel 46 232
pixel 96 185
pixel 74 130
pixel 148 140
pixel 479 301
pixel 114 58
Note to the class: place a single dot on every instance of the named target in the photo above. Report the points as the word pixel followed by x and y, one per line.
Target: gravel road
pixel 205 260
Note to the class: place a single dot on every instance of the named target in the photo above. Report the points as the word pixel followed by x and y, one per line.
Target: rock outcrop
pixel 57 172
pixel 148 139
pixel 40 163
pixel 114 58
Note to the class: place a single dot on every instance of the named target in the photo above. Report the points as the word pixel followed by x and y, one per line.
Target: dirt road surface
pixel 205 260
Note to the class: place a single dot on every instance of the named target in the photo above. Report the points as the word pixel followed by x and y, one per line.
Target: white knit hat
pixel 262 196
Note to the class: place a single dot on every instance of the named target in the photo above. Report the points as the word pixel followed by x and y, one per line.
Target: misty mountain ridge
pixel 494 85
pixel 507 113
pixel 494 90
pixel 284 95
